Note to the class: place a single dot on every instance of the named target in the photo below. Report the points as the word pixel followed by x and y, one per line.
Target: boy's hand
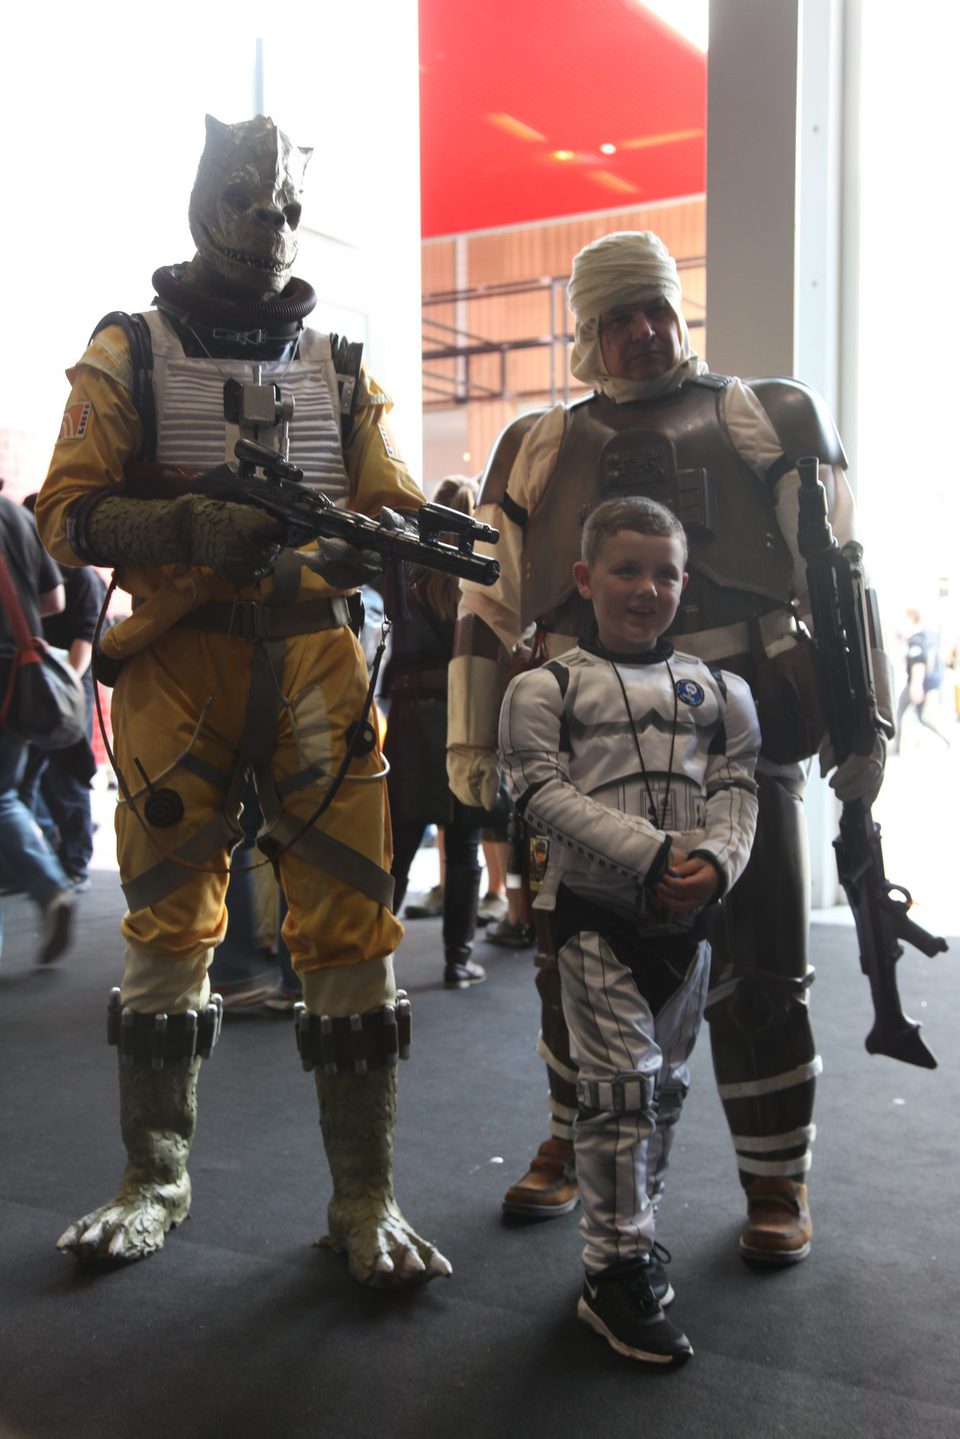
pixel 688 884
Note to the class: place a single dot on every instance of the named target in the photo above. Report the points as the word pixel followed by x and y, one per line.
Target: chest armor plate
pixel 676 450
pixel 192 431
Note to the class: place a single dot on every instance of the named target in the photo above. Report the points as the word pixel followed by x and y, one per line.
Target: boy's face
pixel 634 584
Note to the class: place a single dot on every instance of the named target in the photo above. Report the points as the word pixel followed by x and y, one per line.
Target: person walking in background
pixel 924 676
pixel 415 692
pixel 26 860
pixel 56 784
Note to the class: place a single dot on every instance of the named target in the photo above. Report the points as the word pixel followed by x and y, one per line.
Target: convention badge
pixel 539 854
pixel 690 693
pixel 76 416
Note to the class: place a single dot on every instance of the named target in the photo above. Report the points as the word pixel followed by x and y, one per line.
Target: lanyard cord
pixel 660 821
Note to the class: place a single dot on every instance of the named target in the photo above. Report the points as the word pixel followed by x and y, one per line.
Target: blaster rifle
pixel 263 476
pixel 846 627
pixel 260 478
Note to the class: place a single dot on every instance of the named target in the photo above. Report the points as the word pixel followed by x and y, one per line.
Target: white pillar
pixel 777 245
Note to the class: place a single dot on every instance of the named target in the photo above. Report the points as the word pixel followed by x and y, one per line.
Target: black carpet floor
pixel 241 1328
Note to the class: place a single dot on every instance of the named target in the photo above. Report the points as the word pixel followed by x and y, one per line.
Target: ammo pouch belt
pixel 354 1043
pixel 152 1041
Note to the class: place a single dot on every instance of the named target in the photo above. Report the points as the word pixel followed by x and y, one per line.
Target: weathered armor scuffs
pixel 677 450
pixel 191 430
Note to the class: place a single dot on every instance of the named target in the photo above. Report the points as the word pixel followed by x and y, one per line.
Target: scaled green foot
pixel 132 1226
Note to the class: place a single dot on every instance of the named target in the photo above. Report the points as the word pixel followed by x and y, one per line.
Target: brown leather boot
pixel 549 1187
pixel 778 1228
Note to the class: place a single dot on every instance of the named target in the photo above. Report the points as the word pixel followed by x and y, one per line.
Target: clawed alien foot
pixel 132 1226
pixel 382 1250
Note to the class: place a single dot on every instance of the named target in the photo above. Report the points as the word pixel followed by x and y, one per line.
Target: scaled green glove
pixel 238 542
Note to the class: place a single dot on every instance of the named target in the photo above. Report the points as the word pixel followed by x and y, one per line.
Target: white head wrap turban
pixel 623 269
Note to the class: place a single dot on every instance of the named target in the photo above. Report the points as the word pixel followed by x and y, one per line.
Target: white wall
pixel 101 128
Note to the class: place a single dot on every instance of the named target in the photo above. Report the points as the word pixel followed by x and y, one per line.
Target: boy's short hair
pixel 629 512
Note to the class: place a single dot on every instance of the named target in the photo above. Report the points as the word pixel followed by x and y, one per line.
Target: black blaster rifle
pixel 264 477
pixel 845 627
pixel 261 478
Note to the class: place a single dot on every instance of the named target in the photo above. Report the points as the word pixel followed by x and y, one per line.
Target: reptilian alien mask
pixel 245 208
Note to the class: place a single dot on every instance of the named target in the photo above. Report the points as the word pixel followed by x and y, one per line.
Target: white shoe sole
pixel 645 1356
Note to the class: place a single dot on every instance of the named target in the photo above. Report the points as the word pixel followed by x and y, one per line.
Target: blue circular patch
pixel 690 692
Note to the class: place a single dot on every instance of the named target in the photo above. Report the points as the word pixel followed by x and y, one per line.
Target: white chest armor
pixel 193 434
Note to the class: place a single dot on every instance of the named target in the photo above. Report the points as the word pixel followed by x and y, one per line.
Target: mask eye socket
pixel 237 196
pixel 291 214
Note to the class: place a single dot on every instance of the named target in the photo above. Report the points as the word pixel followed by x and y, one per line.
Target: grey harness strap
pixel 220 832
pixel 330 854
pixel 266 626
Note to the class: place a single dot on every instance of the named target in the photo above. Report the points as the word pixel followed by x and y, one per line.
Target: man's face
pixel 641 341
pixel 634 584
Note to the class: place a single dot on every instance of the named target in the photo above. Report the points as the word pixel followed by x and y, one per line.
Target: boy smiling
pixel 637 763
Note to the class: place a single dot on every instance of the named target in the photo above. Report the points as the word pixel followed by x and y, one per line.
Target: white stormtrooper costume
pixel 633 980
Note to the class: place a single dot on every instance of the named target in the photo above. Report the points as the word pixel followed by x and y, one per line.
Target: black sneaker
pixel 622 1306
pixel 510 933
pixel 461 974
pixel 659 1283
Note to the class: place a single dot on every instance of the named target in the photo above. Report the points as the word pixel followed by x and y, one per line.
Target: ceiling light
pixel 515 127
pixel 608 149
pixel 613 182
pixel 670 137
pixel 563 154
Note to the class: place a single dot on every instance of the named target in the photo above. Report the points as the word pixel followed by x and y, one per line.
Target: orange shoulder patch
pixel 75 420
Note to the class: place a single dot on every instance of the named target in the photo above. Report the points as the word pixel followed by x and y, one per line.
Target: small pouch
pixel 786 692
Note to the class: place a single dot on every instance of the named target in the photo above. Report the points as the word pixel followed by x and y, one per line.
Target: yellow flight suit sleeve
pixel 100 435
pixel 377 475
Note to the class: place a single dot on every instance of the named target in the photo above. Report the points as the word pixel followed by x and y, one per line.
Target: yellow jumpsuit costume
pixel 216 679
pixel 184 679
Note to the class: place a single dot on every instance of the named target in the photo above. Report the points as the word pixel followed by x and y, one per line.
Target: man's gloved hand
pixel 346 566
pixel 343 565
pixel 473 775
pixel 238 542
pixel 860 776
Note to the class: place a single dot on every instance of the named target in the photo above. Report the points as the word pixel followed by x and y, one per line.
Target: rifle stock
pixel 844 628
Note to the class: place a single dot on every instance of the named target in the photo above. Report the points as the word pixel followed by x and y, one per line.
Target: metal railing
pixel 460 348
